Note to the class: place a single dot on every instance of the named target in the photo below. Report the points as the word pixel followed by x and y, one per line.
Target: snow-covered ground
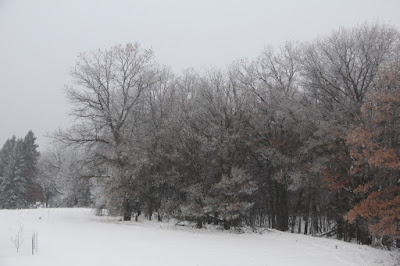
pixel 76 237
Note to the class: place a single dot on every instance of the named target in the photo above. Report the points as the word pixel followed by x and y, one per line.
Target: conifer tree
pixel 18 159
pixel 30 158
pixel 14 185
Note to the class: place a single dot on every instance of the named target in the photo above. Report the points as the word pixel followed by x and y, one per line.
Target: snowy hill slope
pixel 76 237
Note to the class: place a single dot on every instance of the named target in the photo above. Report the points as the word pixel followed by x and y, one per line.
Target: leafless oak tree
pixel 106 91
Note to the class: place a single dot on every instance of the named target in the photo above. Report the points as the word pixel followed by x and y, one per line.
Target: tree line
pixel 302 138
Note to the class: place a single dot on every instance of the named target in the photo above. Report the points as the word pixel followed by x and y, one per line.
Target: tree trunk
pixel 299 228
pixel 47 201
pixel 227 225
pixel 306 225
pixel 272 214
pixel 314 217
pixel 216 221
pixel 299 211
pixel 282 221
pixel 199 223
pixel 339 225
pixel 127 209
pixel 150 209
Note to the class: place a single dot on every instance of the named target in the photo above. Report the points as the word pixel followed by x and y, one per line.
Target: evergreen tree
pixel 18 160
pixel 30 153
pixel 30 157
pixel 14 185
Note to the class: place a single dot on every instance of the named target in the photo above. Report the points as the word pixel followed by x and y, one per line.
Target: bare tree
pixel 105 94
pixel 279 70
pixel 340 68
pixel 18 238
pixel 60 177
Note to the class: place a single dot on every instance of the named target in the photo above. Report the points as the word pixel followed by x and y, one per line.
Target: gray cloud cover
pixel 39 41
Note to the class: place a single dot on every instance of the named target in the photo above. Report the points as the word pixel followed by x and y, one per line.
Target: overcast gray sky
pixel 40 40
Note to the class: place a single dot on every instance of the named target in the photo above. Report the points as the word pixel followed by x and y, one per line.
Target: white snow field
pixel 76 237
